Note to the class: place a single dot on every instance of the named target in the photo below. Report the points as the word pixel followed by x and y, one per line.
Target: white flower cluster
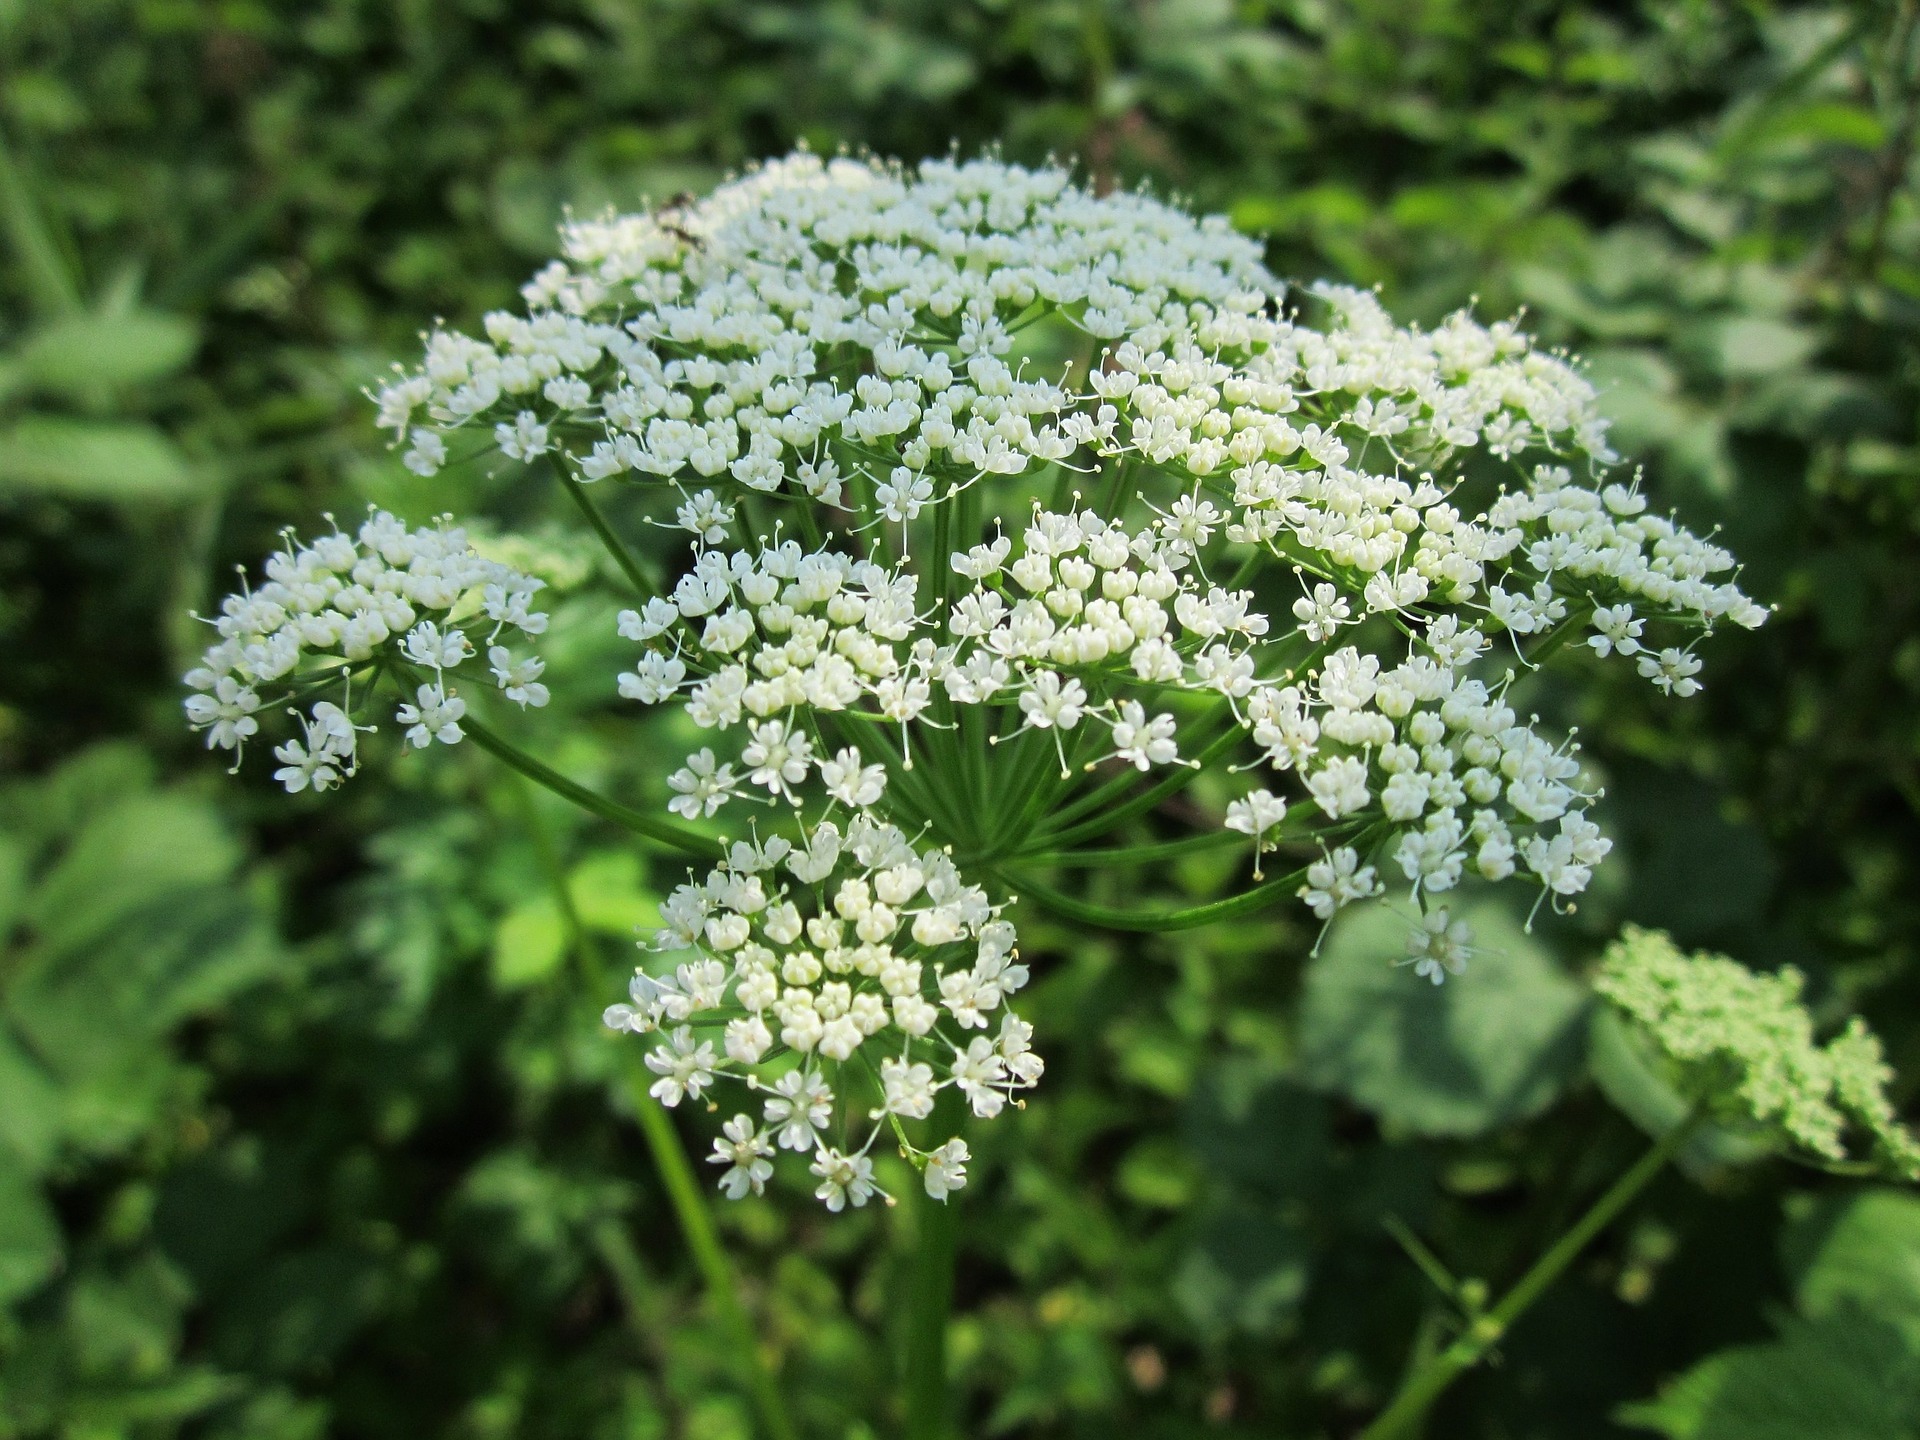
pixel 348 604
pixel 850 978
pixel 1300 539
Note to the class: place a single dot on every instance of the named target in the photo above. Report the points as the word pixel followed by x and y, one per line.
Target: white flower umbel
pixel 922 583
pixel 847 965
pixel 346 605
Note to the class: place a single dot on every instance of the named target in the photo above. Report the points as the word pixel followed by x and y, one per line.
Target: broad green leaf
pixel 1825 122
pixel 1846 1377
pixel 85 354
pixel 128 856
pixel 99 1018
pixel 1245 1272
pixel 125 1320
pixel 1489 1047
pixel 31 1248
pixel 1752 345
pixel 95 460
pixel 292 1316
pixel 13 882
pixel 1158 1173
pixel 1629 1078
pixel 1859 1248
pixel 30 1112
pixel 184 1392
pixel 529 943
pixel 609 894
pixel 277 1414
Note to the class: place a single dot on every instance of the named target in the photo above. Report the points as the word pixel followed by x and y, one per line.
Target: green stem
pixel 1106 822
pixel 48 281
pixel 1427 1382
pixel 608 540
pixel 696 1228
pixel 1273 892
pixel 930 1302
pixel 676 1174
pixel 1131 854
pixel 665 832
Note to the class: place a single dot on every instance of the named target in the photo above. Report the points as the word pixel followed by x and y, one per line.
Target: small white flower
pixel 849 782
pixel 702 786
pixel 778 756
pixel 655 678
pixel 434 716
pixel 1672 672
pixel 519 678
pixel 525 439
pixel 226 715
pixel 1336 880
pixel 844 1179
pixel 1051 702
pixel 801 1106
pixel 684 1067
pixel 1617 628
pixel 947 1168
pixel 908 1087
pixel 1255 814
pixel 748 1156
pixel 1438 947
pixel 1142 742
pixel 706 516
pixel 1321 613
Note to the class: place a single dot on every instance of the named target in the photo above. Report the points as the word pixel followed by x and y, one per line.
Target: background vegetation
pixel 306 1123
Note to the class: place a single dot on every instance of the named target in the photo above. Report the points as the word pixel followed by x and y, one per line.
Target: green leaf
pixel 1629 1078
pixel 1246 1271
pixel 1489 1047
pixel 1752 345
pixel 30 1116
pixel 1158 1173
pixel 529 943
pixel 86 354
pixel 31 1248
pixel 96 460
pixel 128 856
pixel 13 883
pixel 610 895
pixel 1845 1377
pixel 292 1316
pixel 1861 1248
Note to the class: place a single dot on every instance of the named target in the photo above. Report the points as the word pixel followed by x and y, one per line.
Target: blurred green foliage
pixel 306 1123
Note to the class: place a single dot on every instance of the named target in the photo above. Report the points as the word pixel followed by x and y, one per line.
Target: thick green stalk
pixel 930 1301
pixel 670 1161
pixel 47 279
pixel 1273 892
pixel 663 831
pixel 1110 855
pixel 1428 1381
pixel 608 540
pixel 1111 818
pixel 696 1228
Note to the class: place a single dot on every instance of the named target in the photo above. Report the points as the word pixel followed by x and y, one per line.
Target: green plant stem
pixel 1247 903
pixel 49 282
pixel 696 1228
pixel 1134 854
pixel 670 1161
pixel 1110 818
pixel 930 1301
pixel 1429 1380
pixel 664 832
pixel 608 540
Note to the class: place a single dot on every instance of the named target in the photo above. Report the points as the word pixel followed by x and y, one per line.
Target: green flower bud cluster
pixel 1743 1045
